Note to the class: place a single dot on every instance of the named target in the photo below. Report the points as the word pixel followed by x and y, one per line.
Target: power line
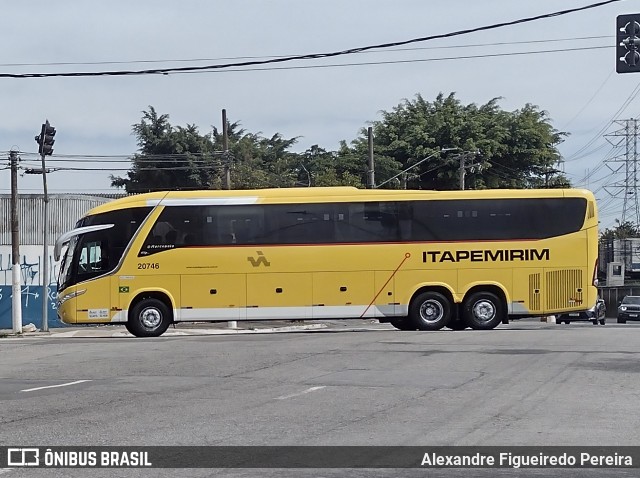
pixel 190 60
pixel 395 62
pixel 597 136
pixel 590 100
pixel 187 69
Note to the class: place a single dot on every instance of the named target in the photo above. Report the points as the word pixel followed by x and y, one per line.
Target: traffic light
pixel 45 139
pixel 628 43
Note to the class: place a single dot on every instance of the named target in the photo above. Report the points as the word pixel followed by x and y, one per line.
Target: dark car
pixel 629 309
pixel 595 314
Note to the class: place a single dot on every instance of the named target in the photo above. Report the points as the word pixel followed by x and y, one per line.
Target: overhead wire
pixel 188 60
pixel 349 51
pixel 602 130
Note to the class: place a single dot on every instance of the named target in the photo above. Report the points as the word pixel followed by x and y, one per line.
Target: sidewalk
pixel 180 329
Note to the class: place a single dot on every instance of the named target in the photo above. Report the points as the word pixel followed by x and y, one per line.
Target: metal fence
pixel 613 295
pixel 64 211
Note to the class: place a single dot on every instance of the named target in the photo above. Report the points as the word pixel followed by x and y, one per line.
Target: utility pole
pixel 231 324
pixel 401 173
pixel 16 293
pixel 371 179
pixel 464 166
pixel 225 147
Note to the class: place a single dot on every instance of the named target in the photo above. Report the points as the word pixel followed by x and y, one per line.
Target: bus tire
pixel 483 310
pixel 430 311
pixel 403 323
pixel 149 318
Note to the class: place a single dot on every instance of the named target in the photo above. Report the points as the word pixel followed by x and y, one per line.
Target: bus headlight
pixel 70 295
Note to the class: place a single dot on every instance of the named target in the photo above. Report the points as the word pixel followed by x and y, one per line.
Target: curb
pixel 95 332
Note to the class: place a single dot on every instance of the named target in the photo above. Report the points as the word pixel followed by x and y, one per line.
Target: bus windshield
pixel 98 252
pixel 65 265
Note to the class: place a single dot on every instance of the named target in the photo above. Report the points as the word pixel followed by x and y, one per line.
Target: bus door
pixel 95 303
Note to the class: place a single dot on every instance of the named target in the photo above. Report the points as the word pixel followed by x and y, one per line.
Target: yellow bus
pixel 421 260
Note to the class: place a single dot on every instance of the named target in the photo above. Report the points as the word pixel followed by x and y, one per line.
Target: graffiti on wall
pixel 31 286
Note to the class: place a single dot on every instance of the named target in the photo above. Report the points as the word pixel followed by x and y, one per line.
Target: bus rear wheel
pixel 149 318
pixel 430 311
pixel 483 310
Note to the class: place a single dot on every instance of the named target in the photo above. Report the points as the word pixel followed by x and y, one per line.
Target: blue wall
pixel 31 306
pixel 31 281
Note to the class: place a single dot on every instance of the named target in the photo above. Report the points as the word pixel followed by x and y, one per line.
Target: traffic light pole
pixel 16 293
pixel 45 147
pixel 45 253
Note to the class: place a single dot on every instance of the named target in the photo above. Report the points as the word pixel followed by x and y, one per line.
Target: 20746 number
pixel 148 265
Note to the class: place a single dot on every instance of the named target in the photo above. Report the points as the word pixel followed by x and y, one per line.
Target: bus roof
pixel 323 194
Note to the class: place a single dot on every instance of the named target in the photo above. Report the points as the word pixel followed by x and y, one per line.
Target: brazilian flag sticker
pixel 123 289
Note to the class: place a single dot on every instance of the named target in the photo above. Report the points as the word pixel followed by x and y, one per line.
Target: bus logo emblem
pixel 260 260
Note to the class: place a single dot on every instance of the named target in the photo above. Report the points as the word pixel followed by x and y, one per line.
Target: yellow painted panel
pixel 214 291
pixel 528 289
pixel 95 304
pixel 408 281
pixel 385 292
pixel 343 288
pixel 279 290
pixel 128 287
pixel 489 276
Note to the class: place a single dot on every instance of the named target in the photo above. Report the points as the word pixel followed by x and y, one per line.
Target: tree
pixel 515 149
pixel 170 158
pixel 623 230
pixel 181 158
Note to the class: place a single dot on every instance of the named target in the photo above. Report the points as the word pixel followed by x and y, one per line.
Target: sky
pixel 314 100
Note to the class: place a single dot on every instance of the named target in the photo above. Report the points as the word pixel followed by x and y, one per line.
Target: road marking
pixel 308 390
pixel 5 470
pixel 54 386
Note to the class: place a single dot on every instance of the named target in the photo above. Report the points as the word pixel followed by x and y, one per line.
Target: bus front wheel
pixel 483 310
pixel 430 311
pixel 149 318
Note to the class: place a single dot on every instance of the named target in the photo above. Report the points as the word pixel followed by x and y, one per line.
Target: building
pixel 63 211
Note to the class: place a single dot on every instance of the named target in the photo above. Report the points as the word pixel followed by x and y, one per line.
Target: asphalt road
pixel 528 383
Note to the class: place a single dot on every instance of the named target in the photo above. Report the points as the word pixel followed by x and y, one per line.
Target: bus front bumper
pixel 66 305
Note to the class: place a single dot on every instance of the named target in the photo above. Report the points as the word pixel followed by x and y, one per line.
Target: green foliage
pixel 515 150
pixel 623 230
pixel 169 158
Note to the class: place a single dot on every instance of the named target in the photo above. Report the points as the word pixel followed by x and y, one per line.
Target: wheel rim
pixel 431 311
pixel 150 318
pixel 484 310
